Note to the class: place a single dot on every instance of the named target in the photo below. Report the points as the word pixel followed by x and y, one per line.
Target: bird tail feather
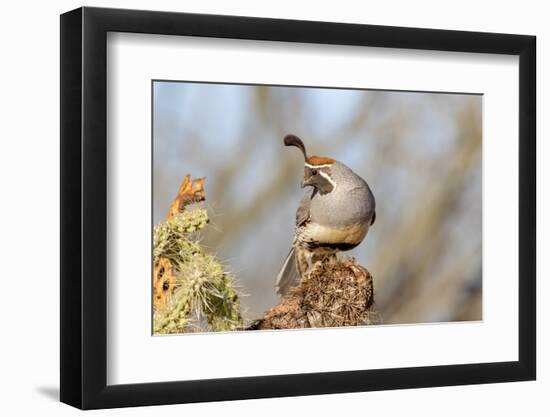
pixel 288 276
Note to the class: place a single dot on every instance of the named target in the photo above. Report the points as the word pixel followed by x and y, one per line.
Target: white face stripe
pixel 317 166
pixel 327 177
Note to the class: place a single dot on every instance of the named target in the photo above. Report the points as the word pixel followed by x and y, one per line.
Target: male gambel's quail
pixel 334 216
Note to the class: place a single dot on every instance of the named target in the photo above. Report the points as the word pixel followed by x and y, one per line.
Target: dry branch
pixel 190 191
pixel 334 294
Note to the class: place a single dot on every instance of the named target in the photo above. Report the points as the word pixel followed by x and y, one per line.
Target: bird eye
pixel 313 172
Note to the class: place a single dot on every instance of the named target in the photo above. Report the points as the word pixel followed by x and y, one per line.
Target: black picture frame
pixel 84 207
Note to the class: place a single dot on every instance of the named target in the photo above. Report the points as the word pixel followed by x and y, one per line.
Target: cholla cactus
pixel 171 237
pixel 204 297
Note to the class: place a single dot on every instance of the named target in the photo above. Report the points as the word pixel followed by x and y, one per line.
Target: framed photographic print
pixel 258 207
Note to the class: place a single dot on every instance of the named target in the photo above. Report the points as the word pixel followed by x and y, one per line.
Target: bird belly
pixel 340 238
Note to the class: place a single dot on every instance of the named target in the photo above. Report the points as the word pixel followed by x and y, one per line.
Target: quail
pixel 334 215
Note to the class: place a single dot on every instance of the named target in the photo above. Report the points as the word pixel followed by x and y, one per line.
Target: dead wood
pixel 335 293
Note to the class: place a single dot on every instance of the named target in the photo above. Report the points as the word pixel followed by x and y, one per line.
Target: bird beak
pixel 307 182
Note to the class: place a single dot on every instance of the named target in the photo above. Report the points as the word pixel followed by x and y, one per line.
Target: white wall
pixel 30 202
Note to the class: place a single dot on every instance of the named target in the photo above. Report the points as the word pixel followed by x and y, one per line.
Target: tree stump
pixel 335 293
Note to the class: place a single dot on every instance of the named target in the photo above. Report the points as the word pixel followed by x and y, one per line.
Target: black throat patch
pixel 323 185
pixel 320 179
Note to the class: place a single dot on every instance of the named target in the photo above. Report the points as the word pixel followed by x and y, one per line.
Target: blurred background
pixel 419 152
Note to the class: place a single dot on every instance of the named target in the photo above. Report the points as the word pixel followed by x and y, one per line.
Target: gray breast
pixel 351 201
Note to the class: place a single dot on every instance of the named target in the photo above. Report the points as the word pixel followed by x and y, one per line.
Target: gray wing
pixel 288 276
pixel 302 214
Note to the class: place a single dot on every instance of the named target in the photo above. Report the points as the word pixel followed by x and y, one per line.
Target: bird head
pixel 317 169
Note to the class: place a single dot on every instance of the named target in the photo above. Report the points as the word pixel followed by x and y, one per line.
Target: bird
pixel 334 215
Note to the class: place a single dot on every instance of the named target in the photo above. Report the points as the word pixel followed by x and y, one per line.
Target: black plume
pixel 293 140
